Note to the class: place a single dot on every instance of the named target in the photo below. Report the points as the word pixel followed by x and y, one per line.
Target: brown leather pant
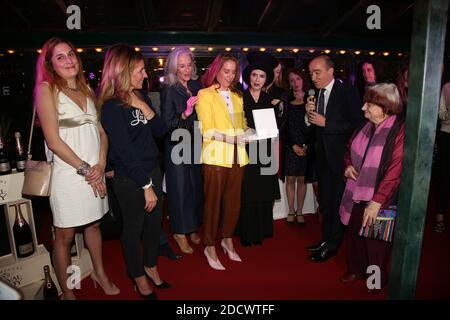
pixel 222 189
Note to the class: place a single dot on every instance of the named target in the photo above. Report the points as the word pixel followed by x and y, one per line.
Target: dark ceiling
pixel 308 23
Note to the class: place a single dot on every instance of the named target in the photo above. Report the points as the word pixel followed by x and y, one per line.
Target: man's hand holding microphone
pixel 313 116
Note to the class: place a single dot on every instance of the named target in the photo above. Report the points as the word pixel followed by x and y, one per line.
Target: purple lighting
pixel 91 75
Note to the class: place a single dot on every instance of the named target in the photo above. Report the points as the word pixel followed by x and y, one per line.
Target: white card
pixel 265 124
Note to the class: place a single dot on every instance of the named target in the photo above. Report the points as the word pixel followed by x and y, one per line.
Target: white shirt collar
pixel 329 86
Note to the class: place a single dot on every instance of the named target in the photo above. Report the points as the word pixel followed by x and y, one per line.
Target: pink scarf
pixel 363 188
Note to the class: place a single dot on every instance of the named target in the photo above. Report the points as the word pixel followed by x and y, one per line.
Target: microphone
pixel 311 94
pixel 311 98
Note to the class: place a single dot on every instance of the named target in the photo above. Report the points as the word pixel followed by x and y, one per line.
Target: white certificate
pixel 265 124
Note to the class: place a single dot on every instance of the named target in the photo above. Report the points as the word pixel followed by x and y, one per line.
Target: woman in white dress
pixel 66 110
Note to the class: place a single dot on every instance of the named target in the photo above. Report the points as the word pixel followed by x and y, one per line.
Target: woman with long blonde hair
pixel 131 125
pixel 68 117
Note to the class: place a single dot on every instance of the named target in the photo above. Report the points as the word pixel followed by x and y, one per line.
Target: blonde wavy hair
pixel 120 61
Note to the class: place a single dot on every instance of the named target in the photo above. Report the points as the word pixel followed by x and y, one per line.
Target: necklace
pixel 73 89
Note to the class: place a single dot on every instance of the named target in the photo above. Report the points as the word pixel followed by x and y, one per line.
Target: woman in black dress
pixel 296 144
pixel 259 189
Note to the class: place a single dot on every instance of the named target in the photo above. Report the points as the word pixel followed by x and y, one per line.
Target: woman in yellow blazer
pixel 223 126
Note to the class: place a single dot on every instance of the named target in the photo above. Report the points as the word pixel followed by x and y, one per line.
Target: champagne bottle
pixel 20 154
pixel 50 291
pixel 22 235
pixel 5 165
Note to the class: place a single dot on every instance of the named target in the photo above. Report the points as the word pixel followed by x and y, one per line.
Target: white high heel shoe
pixel 232 255
pixel 215 264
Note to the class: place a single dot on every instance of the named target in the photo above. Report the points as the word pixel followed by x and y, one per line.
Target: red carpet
pixel 278 269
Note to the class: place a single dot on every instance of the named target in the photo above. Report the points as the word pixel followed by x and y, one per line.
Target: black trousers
pixel 139 224
pixel 331 188
pixel 443 178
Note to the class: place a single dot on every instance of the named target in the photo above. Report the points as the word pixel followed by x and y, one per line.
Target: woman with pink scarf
pixel 373 168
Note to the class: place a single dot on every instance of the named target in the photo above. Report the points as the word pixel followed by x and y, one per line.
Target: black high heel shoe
pixel 150 296
pixel 162 285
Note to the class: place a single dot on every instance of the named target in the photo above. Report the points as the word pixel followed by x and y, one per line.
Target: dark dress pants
pixel 139 224
pixel 331 188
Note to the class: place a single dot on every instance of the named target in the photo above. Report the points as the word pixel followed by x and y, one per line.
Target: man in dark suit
pixel 335 114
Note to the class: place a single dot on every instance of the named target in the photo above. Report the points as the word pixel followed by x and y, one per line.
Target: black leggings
pixel 138 223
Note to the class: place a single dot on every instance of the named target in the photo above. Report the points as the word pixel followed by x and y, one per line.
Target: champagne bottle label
pixel 5 166
pixel 20 154
pixel 26 249
pixel 20 165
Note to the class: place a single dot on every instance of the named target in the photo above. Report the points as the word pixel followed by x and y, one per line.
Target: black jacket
pixel 173 103
pixel 343 116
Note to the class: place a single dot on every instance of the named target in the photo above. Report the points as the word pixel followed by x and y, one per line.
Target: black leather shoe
pixel 150 296
pixel 322 255
pixel 162 285
pixel 166 250
pixel 316 247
